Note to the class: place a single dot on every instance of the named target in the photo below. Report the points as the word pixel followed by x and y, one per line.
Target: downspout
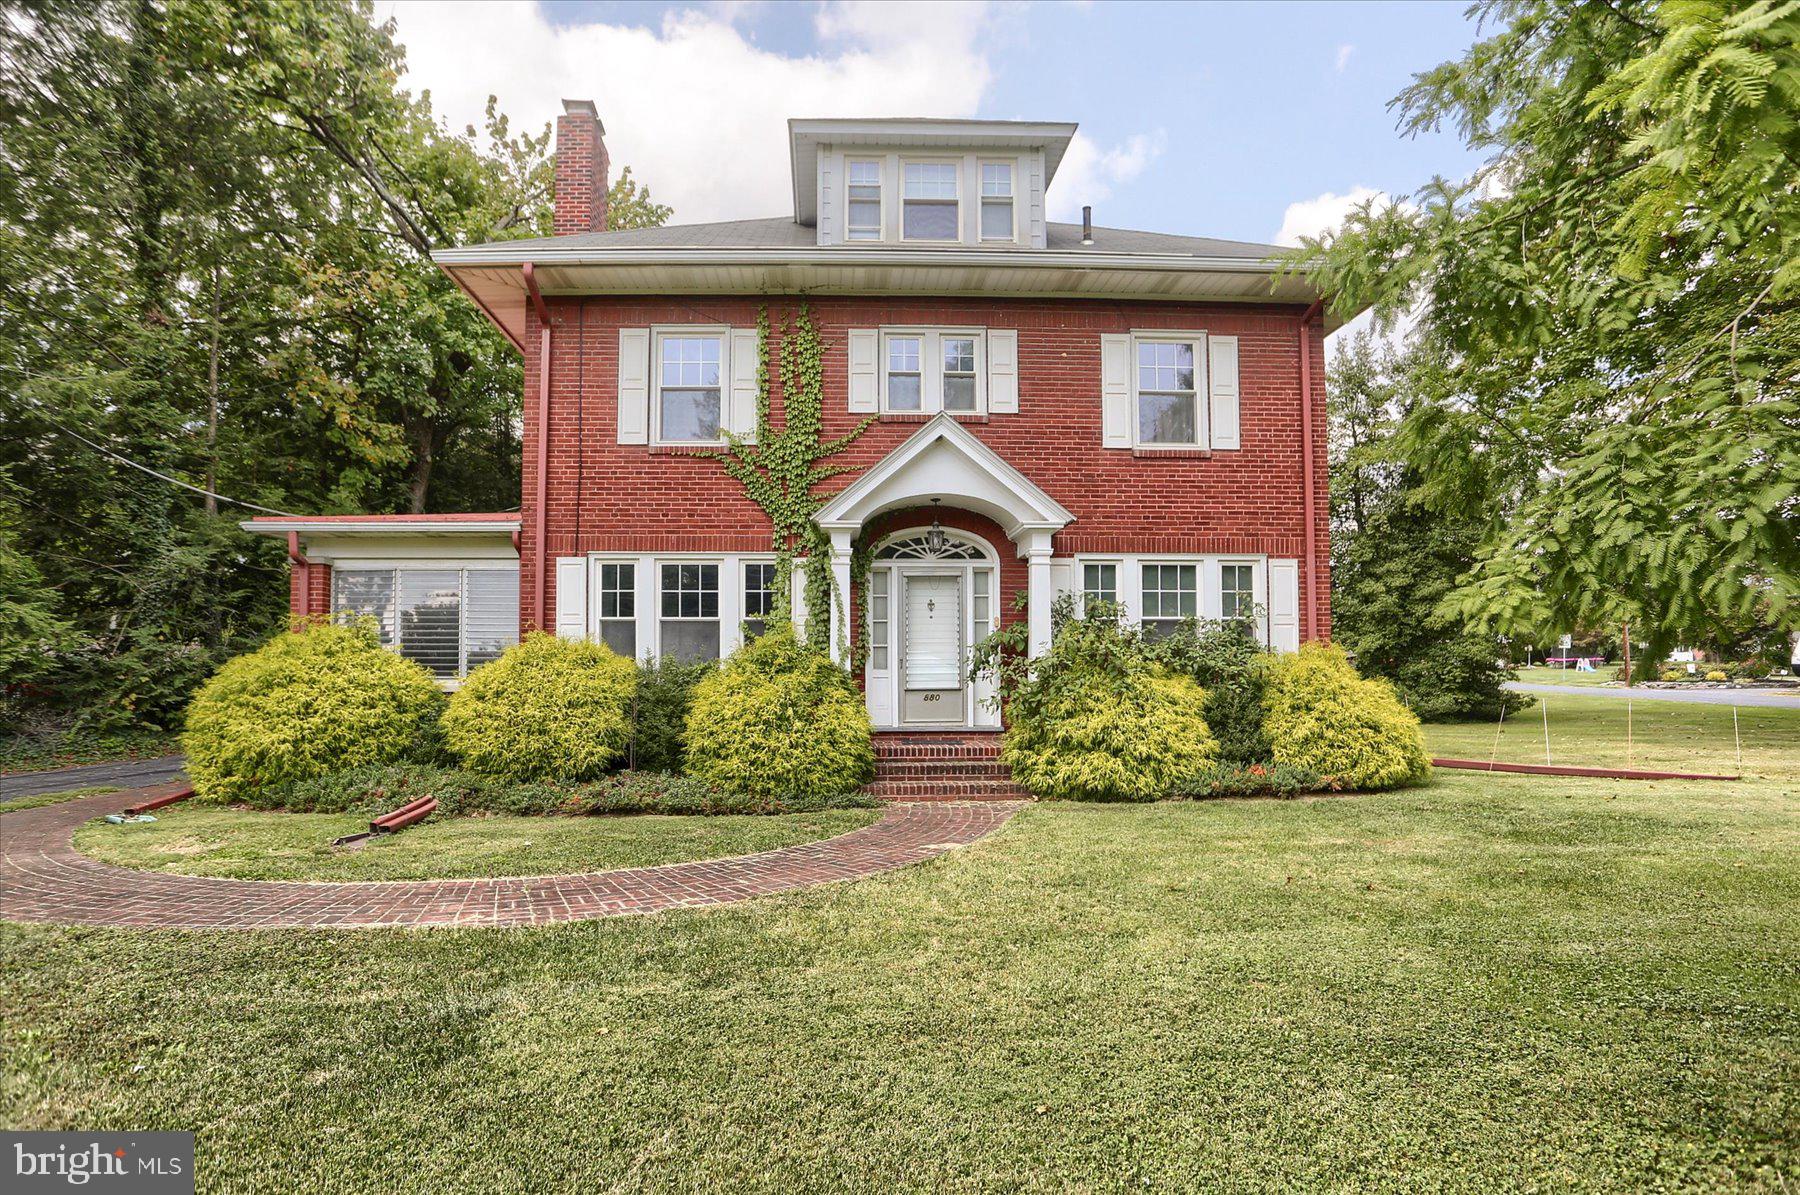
pixel 543 439
pixel 1311 540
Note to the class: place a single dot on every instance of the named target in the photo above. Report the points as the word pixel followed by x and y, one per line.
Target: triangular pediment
pixel 943 460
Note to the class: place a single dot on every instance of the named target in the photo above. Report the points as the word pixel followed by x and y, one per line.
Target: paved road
pixel 1770 698
pixel 125 773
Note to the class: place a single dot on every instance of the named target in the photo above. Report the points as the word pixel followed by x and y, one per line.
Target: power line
pixel 105 451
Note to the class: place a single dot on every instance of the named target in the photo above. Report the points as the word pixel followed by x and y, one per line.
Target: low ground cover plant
pixel 779 719
pixel 1354 731
pixel 1254 780
pixel 547 709
pixel 308 702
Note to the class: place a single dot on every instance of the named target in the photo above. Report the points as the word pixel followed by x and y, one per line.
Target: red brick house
pixel 1127 415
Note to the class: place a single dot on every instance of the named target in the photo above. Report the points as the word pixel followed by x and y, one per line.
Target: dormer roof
pixel 806 135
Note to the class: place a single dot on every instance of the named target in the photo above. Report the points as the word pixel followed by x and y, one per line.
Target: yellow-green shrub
pixel 1099 735
pixel 1350 730
pixel 306 703
pixel 779 720
pixel 547 709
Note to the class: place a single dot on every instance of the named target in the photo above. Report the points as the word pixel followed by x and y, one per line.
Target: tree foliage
pixel 1614 303
pixel 214 225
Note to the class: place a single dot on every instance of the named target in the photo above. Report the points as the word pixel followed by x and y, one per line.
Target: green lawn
pixel 1591 730
pixel 1540 674
pixel 1494 983
pixel 209 841
pixel 43 799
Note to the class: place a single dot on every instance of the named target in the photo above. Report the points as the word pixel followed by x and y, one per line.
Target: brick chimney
pixel 581 169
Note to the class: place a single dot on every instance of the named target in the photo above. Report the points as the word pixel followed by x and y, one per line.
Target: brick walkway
pixel 43 878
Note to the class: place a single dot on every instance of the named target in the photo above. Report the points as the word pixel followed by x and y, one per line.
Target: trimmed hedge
pixel 779 719
pixel 1225 659
pixel 1353 731
pixel 306 703
pixel 665 689
pixel 547 709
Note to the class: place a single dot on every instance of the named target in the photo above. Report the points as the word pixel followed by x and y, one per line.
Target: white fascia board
pixel 377 527
pixel 585 255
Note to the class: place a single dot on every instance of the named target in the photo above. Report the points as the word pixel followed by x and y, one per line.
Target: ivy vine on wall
pixel 779 469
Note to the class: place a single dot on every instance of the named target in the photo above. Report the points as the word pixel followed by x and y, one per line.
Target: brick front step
pixel 941 769
pixel 946 790
pixel 940 747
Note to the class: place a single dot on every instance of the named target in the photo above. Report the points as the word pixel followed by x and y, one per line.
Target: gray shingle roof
pixel 781 232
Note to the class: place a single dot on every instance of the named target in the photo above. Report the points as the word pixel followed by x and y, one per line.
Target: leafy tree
pixel 1613 302
pixel 214 225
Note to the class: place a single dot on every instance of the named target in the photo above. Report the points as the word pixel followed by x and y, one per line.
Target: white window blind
pixel 448 619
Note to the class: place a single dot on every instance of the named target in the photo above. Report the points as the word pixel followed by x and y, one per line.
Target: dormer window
pixel 864 213
pixel 997 201
pixel 929 209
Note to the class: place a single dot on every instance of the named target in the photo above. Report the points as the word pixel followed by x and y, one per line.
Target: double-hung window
pixel 1171 593
pixel 689 395
pixel 618 608
pixel 927 370
pixel 1168 393
pixel 863 209
pixel 448 619
pixel 759 597
pixel 997 202
pixel 1237 591
pixel 1099 585
pixel 929 207
pixel 689 627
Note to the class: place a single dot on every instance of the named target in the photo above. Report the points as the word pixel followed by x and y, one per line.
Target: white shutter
pixel 1284 605
pixel 571 597
pixel 1003 370
pixel 865 380
pixel 1224 380
pixel 634 385
pixel 742 416
pixel 1115 390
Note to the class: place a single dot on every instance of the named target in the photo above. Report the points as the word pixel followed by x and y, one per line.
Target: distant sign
pixel 1568 641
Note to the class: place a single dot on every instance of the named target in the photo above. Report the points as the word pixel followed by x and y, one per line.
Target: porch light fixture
pixel 935 539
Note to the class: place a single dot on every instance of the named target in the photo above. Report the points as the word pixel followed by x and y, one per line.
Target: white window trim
pixel 1210 600
pixel 657 333
pixel 981 198
pixel 931 367
pixel 1202 386
pixel 880 163
pixel 1080 587
pixel 901 200
pixel 1258 586
pixel 649 594
pixel 742 571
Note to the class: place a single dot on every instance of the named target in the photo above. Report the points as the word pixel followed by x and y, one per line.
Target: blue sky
pixel 1213 119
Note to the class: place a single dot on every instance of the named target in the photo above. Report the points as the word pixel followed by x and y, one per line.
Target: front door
pixel 932 687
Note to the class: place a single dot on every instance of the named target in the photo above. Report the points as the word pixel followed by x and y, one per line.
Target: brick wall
pixel 309 589
pixel 605 496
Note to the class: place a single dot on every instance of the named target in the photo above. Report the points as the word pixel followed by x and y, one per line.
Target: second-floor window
pixel 1168 399
pixel 929 210
pixel 997 201
pixel 930 369
pixel 689 403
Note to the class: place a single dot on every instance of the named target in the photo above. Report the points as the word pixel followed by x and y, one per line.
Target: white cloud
pixel 1089 174
pixel 696 108
pixel 1343 56
pixel 1323 213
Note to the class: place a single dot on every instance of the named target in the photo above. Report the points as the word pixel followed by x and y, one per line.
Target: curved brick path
pixel 44 878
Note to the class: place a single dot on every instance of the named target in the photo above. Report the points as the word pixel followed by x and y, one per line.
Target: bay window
pixel 450 619
pixel 929 205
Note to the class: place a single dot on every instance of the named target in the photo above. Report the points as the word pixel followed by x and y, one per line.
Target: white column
pixel 1041 593
pixel 841 637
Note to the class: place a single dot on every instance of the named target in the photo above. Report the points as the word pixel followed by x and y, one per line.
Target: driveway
pixel 1769 698
pixel 124 773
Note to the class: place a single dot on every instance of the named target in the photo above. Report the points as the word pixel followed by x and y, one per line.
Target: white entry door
pixel 932 655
